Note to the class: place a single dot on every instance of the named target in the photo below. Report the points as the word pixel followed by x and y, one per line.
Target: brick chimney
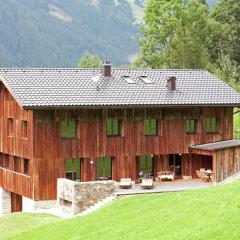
pixel 171 83
pixel 107 69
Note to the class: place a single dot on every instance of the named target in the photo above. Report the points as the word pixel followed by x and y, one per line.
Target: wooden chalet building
pixel 89 124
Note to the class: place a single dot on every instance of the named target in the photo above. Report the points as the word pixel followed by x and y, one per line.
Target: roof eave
pixel 127 106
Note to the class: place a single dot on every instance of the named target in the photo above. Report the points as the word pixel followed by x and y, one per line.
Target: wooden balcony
pixel 16 182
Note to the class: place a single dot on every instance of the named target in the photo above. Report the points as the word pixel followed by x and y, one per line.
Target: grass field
pixel 200 214
pixel 17 223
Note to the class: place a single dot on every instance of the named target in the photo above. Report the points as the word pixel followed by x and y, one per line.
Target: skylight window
pixel 128 79
pixel 96 78
pixel 146 79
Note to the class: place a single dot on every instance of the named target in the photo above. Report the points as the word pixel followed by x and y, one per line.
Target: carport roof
pixel 217 145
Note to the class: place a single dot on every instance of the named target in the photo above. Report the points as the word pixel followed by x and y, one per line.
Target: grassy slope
pixel 16 223
pixel 201 214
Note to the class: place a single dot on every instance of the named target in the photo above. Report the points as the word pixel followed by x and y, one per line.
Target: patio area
pixel 167 186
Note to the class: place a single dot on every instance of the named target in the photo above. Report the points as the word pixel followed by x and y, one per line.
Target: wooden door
pixel 16 202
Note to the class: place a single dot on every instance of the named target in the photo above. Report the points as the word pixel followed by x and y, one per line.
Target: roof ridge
pixel 114 68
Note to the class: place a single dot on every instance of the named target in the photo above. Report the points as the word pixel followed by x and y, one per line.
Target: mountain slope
pixel 52 33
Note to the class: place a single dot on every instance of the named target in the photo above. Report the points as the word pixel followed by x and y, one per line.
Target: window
pixel 145 166
pixel 128 79
pixel 146 80
pixel 104 168
pixel 113 127
pixel 17 164
pixel 73 169
pixel 191 126
pixel 68 129
pixel 9 127
pixel 6 161
pixel 150 127
pixel 211 124
pixel 25 166
pixel 24 129
pixel 1 159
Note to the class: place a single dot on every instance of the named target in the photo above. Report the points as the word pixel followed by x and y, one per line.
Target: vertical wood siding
pixel 92 142
pixel 15 145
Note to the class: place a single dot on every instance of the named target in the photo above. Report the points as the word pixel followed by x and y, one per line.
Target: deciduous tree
pixel 89 61
pixel 176 34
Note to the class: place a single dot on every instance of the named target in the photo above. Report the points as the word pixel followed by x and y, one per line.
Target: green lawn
pixel 16 223
pixel 212 213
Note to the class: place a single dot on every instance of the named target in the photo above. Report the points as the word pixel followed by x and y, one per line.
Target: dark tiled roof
pixel 218 145
pixel 37 88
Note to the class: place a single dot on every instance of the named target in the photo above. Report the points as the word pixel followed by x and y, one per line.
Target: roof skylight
pixel 128 79
pixel 146 79
pixel 96 78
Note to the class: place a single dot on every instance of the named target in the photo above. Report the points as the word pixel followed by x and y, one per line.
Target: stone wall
pixel 29 205
pixel 75 197
pixel 5 201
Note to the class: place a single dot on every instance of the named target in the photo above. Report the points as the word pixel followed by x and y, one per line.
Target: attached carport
pixel 225 157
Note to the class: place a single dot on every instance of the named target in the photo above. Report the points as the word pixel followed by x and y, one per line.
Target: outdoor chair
pixel 166 175
pixel 125 183
pixel 203 175
pixel 147 183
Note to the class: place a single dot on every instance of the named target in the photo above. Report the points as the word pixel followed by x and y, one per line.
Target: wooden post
pixel 190 163
pixel 215 167
pixel 174 163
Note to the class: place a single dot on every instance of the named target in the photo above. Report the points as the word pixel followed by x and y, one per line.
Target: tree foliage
pixel 89 61
pixel 225 46
pixel 176 34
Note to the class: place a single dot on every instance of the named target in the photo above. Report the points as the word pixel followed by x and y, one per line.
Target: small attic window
pixel 128 79
pixel 146 79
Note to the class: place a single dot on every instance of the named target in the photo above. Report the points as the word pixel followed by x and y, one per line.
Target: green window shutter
pixel 153 127
pixel 113 127
pixel 187 127
pixel 68 165
pixel 68 129
pixel 99 167
pixel 77 167
pixel 104 167
pixel 108 167
pixel 214 124
pixel 73 168
pixel 145 163
pixel 208 124
pixel 146 126
pixel 190 126
pixel 109 127
pixel 150 127
pixel 211 124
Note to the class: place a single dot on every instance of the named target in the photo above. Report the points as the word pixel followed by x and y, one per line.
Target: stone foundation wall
pixel 75 197
pixel 5 201
pixel 29 205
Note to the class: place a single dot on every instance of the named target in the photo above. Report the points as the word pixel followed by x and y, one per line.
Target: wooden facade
pixel 225 162
pixel 45 151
